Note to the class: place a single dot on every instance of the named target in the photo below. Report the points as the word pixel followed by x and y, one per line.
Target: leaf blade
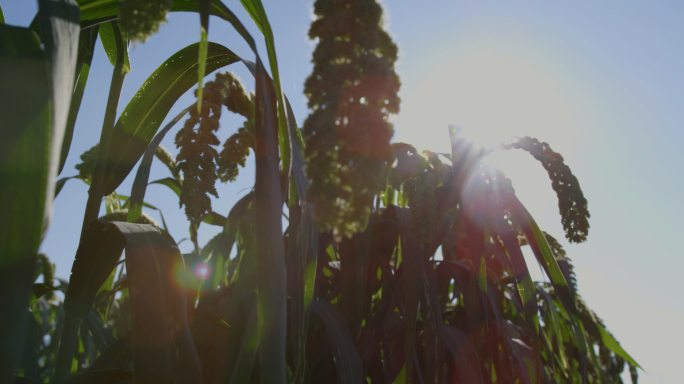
pixel 24 160
pixel 349 366
pixel 144 114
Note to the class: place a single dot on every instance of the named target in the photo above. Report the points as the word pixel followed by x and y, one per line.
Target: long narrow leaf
pixel 270 255
pixel 163 351
pixel 141 178
pixel 96 257
pixel 248 351
pixel 610 342
pixel 171 183
pixel 466 363
pixel 24 165
pixel 117 355
pixel 60 30
pixel 108 40
pixel 258 14
pixel 86 49
pixel 545 257
pixel 349 366
pixel 204 10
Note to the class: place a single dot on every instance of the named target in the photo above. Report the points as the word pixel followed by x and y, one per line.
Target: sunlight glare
pixel 491 98
pixel 202 271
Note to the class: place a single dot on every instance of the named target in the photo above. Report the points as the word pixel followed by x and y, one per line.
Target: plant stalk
pixel 69 340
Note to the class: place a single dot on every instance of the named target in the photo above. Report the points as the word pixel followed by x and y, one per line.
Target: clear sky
pixel 601 82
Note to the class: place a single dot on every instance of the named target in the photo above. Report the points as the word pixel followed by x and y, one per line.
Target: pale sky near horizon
pixel 601 82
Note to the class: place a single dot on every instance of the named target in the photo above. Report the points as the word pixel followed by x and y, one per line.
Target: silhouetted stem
pixel 69 340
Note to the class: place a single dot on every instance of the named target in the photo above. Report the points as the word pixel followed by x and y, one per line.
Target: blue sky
pixel 601 82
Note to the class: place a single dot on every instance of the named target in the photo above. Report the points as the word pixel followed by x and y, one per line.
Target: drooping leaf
pixel 162 346
pixel 173 184
pixel 97 255
pixel 144 114
pixel 59 184
pixel 349 365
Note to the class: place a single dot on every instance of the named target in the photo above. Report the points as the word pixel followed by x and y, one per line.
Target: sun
pixel 491 98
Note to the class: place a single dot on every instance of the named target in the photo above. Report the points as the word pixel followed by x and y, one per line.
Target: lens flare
pixel 202 271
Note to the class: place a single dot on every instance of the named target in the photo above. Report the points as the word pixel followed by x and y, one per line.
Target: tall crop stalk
pixel 69 340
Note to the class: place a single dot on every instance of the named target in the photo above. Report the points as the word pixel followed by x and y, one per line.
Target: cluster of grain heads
pixel 571 201
pixel 142 18
pixel 351 92
pixel 197 155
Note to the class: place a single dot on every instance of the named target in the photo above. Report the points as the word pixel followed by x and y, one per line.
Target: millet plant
pixel 352 291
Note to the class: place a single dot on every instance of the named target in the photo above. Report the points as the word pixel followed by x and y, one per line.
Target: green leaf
pixel 101 335
pixel 2 16
pixel 214 218
pixel 230 331
pixel 162 344
pixel 610 342
pixel 97 11
pixel 144 114
pixel 86 49
pixel 204 9
pixel 109 44
pixel 248 351
pixel 349 365
pixel 96 257
pixel 118 352
pixel 545 257
pixel 40 289
pixel 303 246
pixel 60 30
pixel 59 184
pixel 555 326
pixel 170 182
pixel 297 144
pixel 25 108
pixel 143 174
pixel 258 14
